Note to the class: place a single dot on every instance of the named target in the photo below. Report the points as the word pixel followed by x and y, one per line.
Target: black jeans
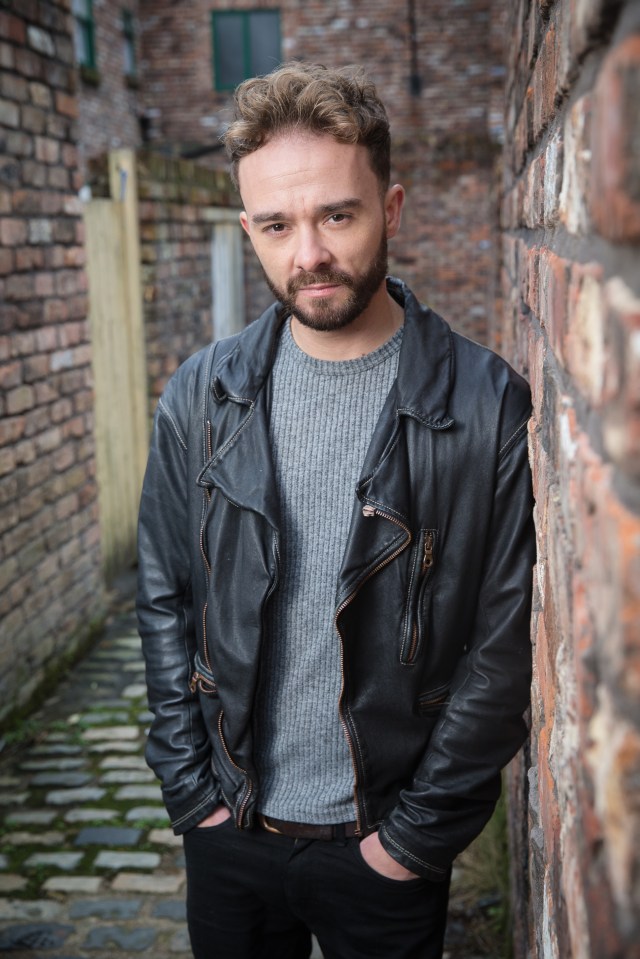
pixel 256 895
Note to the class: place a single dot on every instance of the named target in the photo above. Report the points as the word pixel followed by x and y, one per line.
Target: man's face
pixel 319 223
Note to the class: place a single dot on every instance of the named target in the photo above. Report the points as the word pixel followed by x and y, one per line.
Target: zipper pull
pixel 368 510
pixel 427 556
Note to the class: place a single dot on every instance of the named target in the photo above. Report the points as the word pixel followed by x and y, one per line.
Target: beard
pixel 324 317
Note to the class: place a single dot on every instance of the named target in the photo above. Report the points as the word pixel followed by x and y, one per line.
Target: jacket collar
pixel 425 365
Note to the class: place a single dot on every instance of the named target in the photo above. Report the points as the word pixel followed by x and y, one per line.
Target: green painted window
pixel 84 33
pixel 246 43
pixel 129 51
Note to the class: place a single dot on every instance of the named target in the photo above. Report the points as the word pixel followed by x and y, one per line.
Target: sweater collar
pixel 425 365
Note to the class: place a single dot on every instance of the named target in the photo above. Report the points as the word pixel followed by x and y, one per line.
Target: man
pixel 335 565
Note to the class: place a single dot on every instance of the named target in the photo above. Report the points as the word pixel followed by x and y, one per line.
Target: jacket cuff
pixel 185 819
pixel 410 861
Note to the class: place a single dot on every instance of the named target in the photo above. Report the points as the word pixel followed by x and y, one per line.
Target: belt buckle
pixel 266 825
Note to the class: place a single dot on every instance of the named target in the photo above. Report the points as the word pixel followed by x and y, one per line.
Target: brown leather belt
pixel 304 830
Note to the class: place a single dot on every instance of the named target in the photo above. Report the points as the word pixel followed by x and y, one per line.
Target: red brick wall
pixel 50 583
pixel 571 280
pixel 108 111
pixel 175 238
pixel 445 140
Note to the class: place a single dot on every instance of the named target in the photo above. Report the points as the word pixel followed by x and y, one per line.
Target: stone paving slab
pixel 83 885
pixel 108 836
pixel 127 860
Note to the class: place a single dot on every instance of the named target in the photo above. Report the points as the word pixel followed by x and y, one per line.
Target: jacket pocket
pixel 414 627
pixel 431 702
pixel 202 678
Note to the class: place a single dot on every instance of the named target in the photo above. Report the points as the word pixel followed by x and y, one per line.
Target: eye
pixel 275 228
pixel 339 217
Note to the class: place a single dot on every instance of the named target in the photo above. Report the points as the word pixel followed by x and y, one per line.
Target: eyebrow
pixel 325 209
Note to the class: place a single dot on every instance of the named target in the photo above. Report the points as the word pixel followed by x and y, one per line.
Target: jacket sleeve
pixel 178 748
pixel 457 783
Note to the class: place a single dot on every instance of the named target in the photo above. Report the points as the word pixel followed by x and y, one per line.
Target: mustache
pixel 325 276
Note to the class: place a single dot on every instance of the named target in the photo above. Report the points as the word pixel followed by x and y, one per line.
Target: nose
pixel 311 253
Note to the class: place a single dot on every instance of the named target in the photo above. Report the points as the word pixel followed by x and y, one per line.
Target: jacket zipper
pixel 367 511
pixel 244 772
pixel 425 567
pixel 205 651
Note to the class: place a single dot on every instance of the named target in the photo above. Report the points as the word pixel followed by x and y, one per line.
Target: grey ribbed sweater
pixel 322 419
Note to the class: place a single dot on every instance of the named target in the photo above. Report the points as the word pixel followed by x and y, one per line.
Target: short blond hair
pixel 309 97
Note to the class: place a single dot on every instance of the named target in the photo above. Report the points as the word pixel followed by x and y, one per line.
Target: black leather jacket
pixel 432 601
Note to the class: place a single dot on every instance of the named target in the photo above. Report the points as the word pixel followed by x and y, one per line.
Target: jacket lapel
pixel 240 464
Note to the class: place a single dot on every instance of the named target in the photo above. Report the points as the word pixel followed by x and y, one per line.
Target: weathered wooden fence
pixel 119 364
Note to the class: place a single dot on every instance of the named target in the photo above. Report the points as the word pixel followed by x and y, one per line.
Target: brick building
pixel 571 284
pixel 155 78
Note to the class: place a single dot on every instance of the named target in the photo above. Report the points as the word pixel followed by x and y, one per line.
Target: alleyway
pixel 89 868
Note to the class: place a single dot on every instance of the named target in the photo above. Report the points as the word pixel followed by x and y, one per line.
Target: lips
pixel 318 284
pixel 317 291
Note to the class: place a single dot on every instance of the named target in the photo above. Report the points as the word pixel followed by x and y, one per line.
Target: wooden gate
pixel 119 364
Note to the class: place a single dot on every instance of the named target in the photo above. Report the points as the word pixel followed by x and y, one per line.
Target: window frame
pixel 245 15
pixel 86 23
pixel 129 34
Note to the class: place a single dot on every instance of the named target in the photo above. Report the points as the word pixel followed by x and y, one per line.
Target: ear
pixel 393 203
pixel 244 222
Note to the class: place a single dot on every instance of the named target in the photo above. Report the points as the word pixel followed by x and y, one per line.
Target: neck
pixel 371 329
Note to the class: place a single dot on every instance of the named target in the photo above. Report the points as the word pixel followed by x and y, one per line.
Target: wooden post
pixel 119 361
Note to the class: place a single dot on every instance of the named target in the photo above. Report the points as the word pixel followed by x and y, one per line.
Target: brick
pixel 41 41
pixel 59 179
pixel 7 261
pixel 14 88
pixel 621 387
pixel 26 202
pixel 7 60
pixel 47 150
pixel 554 283
pixel 64 231
pixel 20 286
pixel 12 28
pixel 44 284
pixel 66 104
pixel 33 119
pixel 533 211
pixel 41 95
pixel 7 463
pixel 46 339
pixel 53 200
pixel 585 339
pixel 30 65
pixel 41 231
pixel 544 83
pixel 13 232
pixel 615 197
pixel 55 311
pixel 29 258
pixel 34 174
pixel 615 760
pixel 36 367
pixel 19 144
pixel 552 181
pixel 10 375
pixel 19 399
pixel 576 177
